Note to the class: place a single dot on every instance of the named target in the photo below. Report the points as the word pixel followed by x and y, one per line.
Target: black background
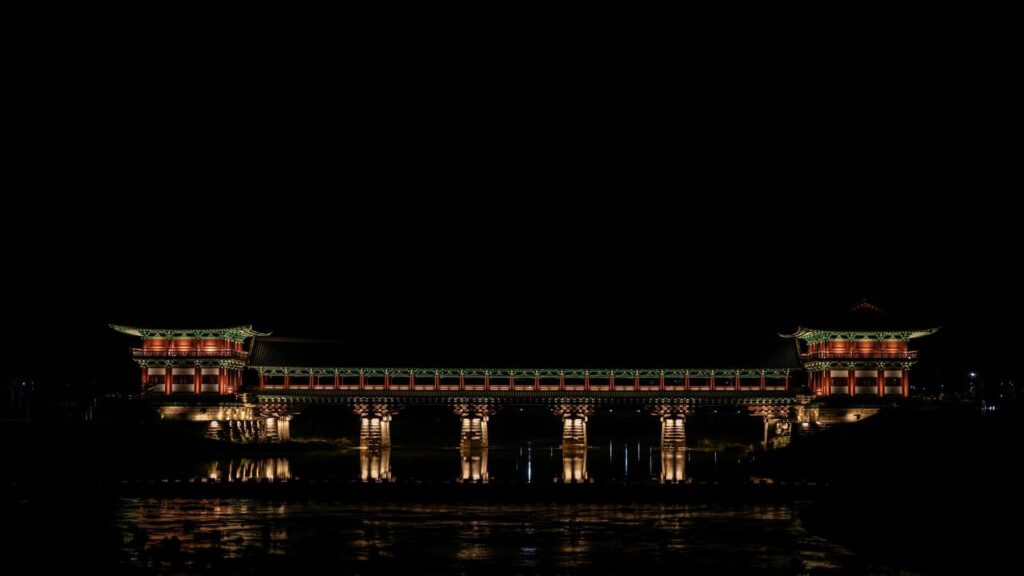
pixel 506 177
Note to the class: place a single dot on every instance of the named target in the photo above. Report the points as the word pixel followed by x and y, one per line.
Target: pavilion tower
pixel 864 353
pixel 191 361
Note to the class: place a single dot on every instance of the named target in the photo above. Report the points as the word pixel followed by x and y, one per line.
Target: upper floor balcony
pixel 860 355
pixel 188 353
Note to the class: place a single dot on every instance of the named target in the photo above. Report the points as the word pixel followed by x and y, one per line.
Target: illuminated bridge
pixel 209 375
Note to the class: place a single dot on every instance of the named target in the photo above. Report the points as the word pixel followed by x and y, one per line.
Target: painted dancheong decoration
pixel 862 354
pixel 199 375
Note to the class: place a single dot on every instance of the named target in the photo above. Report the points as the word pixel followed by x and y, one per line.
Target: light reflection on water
pixel 172 534
pixel 620 461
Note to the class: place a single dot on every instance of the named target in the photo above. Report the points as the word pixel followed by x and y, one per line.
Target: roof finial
pixel 866 306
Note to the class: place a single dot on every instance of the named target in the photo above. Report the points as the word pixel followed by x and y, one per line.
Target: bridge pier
pixel 574 440
pixel 673 443
pixel 473 441
pixel 374 442
pixel 777 424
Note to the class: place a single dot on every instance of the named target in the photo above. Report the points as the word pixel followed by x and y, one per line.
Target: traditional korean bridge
pixel 207 375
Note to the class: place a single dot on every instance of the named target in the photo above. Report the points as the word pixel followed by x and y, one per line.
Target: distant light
pixel 973 374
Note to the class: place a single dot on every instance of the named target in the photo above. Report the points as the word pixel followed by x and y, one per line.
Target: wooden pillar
pixel 487 380
pixel 686 381
pixel 661 381
pixel 362 380
pixel 437 381
pixel 145 378
pixel 586 380
pixel 736 381
pixel 611 380
pixel 881 382
pixel 763 383
pixel 636 380
pixel 222 380
pixel 906 382
pixel 337 380
pixel 852 381
pixel 312 380
pixel 462 381
pixel 168 379
pixel 711 381
pixel 561 381
pixel 197 382
pixel 287 380
pixel 536 381
pixel 412 380
pixel 827 380
pixel 511 380
pixel 785 382
pixel 387 380
pixel 263 380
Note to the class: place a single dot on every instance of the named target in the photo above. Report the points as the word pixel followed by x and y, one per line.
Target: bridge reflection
pixel 245 469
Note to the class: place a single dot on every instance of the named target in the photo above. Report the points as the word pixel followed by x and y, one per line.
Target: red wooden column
pixel 711 381
pixel 852 381
pixel 197 382
pixel 785 383
pixel 636 380
pixel 462 380
pixel 881 382
pixel 437 381
pixel 168 379
pixel 736 381
pixel 487 380
pixel 661 381
pixel 536 381
pixel 762 381
pixel 387 380
pixel 287 380
pixel 906 382
pixel 412 380
pixel 222 380
pixel 686 381
pixel 511 380
pixel 145 377
pixel 561 381
pixel 337 380
pixel 586 380
pixel 263 380
pixel 611 380
pixel 362 380
pixel 827 380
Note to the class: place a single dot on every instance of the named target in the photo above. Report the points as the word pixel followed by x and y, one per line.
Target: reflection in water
pixel 375 448
pixel 243 469
pixel 184 535
pixel 473 448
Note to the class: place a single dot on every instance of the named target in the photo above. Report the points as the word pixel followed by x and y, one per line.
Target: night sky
pixel 504 178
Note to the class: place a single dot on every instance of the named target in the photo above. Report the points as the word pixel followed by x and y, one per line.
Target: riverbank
pixel 926 488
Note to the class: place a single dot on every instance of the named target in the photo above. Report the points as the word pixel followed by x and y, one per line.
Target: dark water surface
pixel 193 535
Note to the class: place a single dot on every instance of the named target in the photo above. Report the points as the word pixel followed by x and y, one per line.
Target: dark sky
pixel 497 177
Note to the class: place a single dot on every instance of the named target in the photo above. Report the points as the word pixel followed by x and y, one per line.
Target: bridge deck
pixel 527 397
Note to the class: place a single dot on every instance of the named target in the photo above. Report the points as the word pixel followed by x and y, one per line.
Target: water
pixel 626 461
pixel 176 535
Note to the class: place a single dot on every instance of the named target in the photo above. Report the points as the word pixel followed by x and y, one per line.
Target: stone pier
pixel 374 442
pixel 574 440
pixel 473 441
